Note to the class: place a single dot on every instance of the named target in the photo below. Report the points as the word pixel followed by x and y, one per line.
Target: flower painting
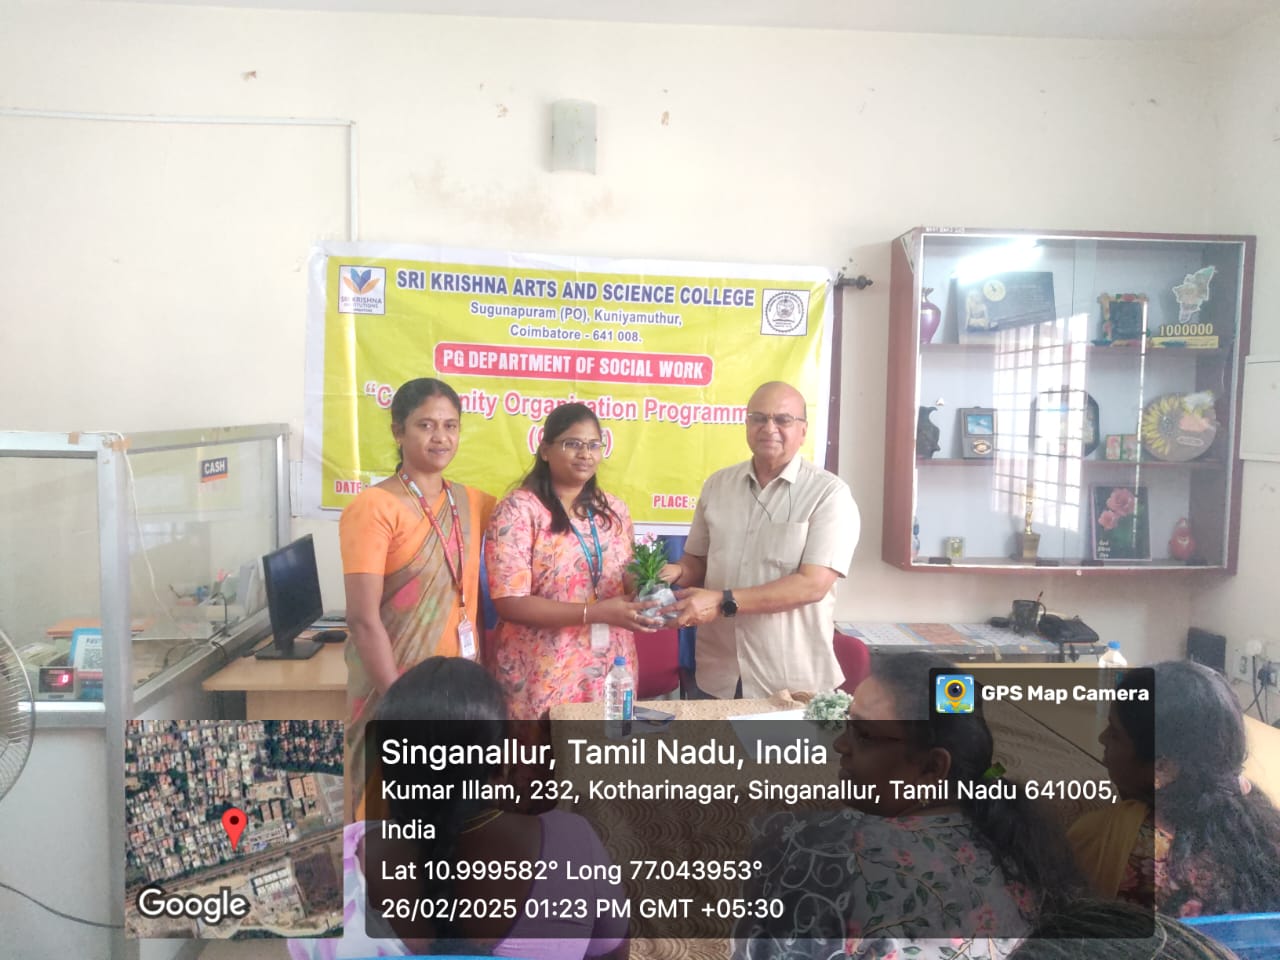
pixel 1120 527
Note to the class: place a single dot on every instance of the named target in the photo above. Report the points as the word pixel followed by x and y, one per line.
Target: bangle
pixel 584 612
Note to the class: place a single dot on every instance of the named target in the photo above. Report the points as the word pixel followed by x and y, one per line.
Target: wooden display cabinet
pixel 1066 346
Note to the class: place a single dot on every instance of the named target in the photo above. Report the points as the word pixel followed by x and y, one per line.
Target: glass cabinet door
pixel 1074 400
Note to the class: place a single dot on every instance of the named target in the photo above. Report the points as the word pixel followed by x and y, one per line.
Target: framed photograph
pixel 1124 318
pixel 1113 448
pixel 977 432
pixel 1118 517
pixel 1128 446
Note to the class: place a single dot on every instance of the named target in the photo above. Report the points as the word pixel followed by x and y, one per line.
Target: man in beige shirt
pixel 769 539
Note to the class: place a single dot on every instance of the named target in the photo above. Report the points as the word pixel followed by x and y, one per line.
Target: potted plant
pixel 648 557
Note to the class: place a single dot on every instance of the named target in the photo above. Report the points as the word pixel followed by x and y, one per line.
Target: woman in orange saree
pixel 411 563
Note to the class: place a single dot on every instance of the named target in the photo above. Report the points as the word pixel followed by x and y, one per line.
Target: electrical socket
pixel 1242 667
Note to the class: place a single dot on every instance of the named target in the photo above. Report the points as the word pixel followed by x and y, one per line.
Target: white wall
pixel 153 275
pixel 186 304
pixel 1246 132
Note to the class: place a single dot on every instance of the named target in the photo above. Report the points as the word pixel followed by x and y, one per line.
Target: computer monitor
pixel 293 598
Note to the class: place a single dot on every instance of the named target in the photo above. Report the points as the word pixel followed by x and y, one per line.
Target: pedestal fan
pixel 17 722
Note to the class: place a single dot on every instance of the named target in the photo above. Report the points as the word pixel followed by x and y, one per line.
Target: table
pixel 960 642
pixel 314 689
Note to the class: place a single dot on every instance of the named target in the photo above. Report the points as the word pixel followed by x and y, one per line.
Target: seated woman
pixel 1110 930
pixel 450 702
pixel 1190 835
pixel 914 869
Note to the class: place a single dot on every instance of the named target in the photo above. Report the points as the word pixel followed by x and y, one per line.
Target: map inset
pixel 283 875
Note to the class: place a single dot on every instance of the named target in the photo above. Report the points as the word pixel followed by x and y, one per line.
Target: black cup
pixel 1025 616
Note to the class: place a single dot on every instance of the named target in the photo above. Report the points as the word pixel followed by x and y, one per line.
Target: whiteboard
pixel 1260 428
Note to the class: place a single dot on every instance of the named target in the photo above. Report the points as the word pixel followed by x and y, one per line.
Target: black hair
pixel 411 395
pixel 1114 930
pixel 1199 726
pixel 1028 846
pixel 538 480
pixel 440 702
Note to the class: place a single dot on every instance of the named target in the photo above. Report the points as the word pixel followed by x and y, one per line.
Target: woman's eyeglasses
pixel 575 446
pixel 783 420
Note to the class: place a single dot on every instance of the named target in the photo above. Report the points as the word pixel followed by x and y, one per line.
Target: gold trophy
pixel 1030 539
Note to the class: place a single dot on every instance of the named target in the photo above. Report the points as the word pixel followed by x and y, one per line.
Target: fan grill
pixel 17 723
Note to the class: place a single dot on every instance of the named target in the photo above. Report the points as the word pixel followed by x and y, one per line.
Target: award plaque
pixel 977 432
pixel 1005 300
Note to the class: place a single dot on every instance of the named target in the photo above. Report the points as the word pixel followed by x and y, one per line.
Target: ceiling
pixel 1115 19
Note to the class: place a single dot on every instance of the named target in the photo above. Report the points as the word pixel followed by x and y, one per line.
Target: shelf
pixel 1093 350
pixel 1074 565
pixel 1218 354
pixel 1160 464
pixel 958 347
pixel 954 462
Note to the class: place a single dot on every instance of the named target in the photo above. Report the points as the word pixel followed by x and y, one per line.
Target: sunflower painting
pixel 1179 427
pixel 1120 529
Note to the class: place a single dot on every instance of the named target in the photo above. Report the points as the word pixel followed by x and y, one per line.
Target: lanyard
pixel 596 568
pixel 456 575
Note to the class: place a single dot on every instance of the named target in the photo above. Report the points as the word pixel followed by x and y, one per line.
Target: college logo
pixel 362 289
pixel 784 313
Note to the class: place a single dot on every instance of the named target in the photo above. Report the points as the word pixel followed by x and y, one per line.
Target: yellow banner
pixel 666 354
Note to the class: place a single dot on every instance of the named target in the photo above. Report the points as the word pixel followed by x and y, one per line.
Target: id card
pixel 599 637
pixel 466 639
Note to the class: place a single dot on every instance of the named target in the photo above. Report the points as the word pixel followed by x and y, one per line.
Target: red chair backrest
pixel 854 659
pixel 658 663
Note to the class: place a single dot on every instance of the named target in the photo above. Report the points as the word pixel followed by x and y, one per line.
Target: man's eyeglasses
pixel 783 420
pixel 574 446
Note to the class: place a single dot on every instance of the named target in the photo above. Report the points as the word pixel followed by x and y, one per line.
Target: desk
pixel 314 689
pixel 959 642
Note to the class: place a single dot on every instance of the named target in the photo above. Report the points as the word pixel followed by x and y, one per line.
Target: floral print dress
pixel 538 667
pixel 878 888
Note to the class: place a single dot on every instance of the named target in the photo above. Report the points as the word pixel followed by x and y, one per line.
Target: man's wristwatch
pixel 728 606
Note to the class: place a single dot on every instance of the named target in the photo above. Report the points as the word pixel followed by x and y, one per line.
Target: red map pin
pixel 234 822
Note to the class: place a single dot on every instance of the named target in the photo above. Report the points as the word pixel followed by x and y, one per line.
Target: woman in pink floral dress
pixel 555 553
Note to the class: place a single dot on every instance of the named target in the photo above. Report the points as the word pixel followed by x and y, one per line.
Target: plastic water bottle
pixel 619 692
pixel 1111 664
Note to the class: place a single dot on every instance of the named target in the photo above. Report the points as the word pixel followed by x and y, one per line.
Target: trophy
pixel 1030 539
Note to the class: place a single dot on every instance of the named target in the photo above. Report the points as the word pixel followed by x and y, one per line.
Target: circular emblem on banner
pixel 784 312
pixel 993 290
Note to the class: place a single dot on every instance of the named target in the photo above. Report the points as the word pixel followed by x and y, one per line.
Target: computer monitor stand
pixel 298 650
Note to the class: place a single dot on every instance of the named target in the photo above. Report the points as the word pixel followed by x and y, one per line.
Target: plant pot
pixel 660 595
